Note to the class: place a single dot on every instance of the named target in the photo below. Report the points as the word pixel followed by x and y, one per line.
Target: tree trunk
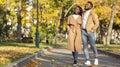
pixel 62 20
pixel 19 22
pixel 110 25
pixel 69 9
pixel 104 40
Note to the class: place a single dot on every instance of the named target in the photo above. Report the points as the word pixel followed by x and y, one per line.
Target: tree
pixel 4 26
pixel 19 25
pixel 113 3
pixel 21 7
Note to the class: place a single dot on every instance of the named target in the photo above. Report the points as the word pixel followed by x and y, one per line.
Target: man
pixel 90 23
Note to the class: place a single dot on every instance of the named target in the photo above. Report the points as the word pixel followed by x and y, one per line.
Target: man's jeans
pixel 91 39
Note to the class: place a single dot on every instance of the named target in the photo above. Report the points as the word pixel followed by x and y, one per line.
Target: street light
pixel 41 9
pixel 37 41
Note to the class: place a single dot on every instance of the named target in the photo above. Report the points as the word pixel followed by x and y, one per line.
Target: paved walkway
pixel 61 57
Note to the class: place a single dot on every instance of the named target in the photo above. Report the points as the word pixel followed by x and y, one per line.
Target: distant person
pixel 74 33
pixel 90 23
pixel 26 33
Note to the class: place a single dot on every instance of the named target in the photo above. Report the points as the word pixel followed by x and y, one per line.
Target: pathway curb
pixel 23 61
pixel 111 54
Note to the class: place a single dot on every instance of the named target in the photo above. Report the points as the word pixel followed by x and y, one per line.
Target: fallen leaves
pixel 31 63
pixel 10 54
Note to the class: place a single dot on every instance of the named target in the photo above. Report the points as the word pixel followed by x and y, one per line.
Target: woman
pixel 74 32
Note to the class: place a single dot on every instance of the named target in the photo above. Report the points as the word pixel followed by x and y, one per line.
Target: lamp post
pixel 37 31
pixel 41 9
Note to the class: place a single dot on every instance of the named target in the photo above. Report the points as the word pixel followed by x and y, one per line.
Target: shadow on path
pixel 61 57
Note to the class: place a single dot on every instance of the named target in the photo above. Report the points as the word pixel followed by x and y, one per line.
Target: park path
pixel 61 57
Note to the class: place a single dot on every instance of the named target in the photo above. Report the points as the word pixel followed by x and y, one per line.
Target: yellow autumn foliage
pixel 3 2
pixel 117 20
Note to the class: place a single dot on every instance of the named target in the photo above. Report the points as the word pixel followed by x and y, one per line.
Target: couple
pixel 81 27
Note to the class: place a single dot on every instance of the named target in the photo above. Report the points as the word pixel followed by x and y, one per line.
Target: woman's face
pixel 76 10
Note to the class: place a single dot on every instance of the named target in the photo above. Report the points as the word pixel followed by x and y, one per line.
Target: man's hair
pixel 90 3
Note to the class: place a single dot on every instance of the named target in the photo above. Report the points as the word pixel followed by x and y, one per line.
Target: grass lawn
pixel 11 51
pixel 111 48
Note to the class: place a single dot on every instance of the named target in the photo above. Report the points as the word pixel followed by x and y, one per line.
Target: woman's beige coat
pixel 74 36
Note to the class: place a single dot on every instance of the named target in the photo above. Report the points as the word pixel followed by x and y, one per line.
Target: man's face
pixel 87 6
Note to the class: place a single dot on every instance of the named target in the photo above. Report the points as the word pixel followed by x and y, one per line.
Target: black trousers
pixel 75 56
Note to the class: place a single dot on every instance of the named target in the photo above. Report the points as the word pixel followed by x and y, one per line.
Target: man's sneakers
pixel 96 62
pixel 89 63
